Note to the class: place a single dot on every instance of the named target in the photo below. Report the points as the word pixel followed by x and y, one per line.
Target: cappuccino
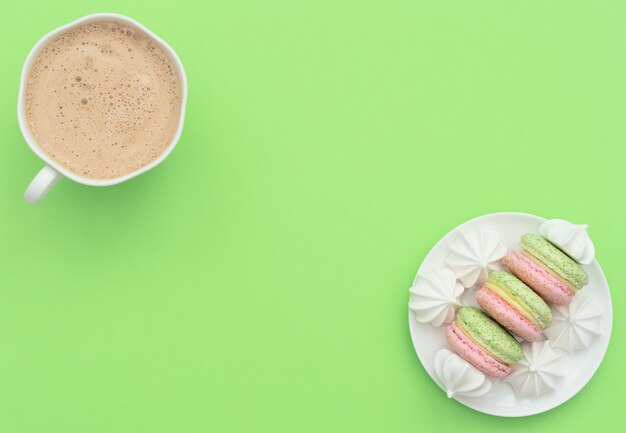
pixel 103 99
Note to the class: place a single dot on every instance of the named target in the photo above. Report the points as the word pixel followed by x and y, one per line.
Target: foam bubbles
pixel 98 101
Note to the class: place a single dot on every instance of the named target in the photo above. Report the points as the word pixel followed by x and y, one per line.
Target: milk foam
pixel 103 99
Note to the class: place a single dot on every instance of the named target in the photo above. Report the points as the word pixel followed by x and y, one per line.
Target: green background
pixel 257 280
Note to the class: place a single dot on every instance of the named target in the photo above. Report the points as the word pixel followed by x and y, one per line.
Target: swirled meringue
pixel 571 238
pixel 473 254
pixel 539 371
pixel 574 326
pixel 457 377
pixel 435 296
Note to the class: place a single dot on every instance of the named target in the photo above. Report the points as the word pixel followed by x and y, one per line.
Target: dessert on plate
pixel 515 335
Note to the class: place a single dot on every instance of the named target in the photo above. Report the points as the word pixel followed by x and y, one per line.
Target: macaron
pixel 546 269
pixel 514 305
pixel 483 343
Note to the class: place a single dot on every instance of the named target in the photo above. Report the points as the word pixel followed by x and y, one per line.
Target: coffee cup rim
pixel 21 115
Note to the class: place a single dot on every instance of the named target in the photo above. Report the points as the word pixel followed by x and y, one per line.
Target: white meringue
pixel 457 377
pixel 571 238
pixel 574 326
pixel 473 254
pixel 435 296
pixel 539 371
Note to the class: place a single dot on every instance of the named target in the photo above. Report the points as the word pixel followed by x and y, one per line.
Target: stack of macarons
pixel 514 305
pixel 554 275
pixel 481 337
pixel 483 343
pixel 517 301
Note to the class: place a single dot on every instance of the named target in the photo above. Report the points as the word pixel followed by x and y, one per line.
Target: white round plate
pixel 580 366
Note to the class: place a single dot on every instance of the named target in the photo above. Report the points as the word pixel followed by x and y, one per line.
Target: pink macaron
pixel 474 354
pixel 536 276
pixel 507 316
pixel 479 340
pixel 514 305
pixel 554 275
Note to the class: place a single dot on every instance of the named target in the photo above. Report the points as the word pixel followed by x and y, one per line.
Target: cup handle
pixel 42 184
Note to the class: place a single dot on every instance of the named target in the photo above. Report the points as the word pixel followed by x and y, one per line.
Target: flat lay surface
pixel 257 280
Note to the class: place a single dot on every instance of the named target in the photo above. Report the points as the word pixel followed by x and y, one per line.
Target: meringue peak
pixel 435 296
pixel 574 326
pixel 457 377
pixel 571 238
pixel 474 254
pixel 539 371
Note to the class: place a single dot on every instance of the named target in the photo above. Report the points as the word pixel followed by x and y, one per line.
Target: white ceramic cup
pixel 52 172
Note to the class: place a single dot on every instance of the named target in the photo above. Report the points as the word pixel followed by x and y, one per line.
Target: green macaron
pixel 489 335
pixel 524 296
pixel 555 259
